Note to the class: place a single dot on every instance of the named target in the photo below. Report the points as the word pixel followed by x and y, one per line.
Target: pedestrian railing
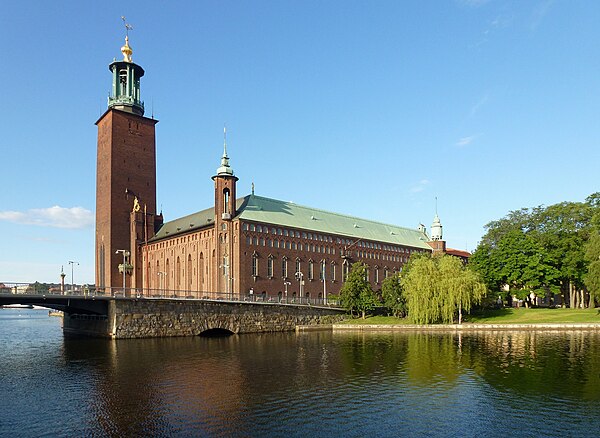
pixel 161 294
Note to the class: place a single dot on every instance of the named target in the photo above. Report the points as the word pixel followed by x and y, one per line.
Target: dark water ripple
pixel 287 385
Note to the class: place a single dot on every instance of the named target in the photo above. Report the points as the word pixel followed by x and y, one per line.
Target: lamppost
pixel 72 263
pixel 286 284
pixel 124 266
pixel 324 286
pixel 299 277
pixel 161 276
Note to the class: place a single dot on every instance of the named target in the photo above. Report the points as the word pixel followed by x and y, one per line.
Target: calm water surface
pixel 317 384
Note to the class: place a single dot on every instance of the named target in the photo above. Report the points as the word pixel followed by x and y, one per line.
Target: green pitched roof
pixel 287 214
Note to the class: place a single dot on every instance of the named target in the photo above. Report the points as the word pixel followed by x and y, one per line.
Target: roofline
pixel 338 214
pixel 155 121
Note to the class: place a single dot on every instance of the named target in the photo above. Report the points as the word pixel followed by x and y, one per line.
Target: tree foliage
pixel 356 293
pixel 439 288
pixel 592 256
pixel 393 298
pixel 541 248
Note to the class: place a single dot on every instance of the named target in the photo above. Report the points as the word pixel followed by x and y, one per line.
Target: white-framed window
pixel 270 267
pixel 255 265
pixel 284 267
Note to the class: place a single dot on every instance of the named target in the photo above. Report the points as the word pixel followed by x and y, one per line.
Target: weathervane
pixel 128 26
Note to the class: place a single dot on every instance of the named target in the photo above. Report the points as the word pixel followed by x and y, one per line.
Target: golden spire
pixel 126 49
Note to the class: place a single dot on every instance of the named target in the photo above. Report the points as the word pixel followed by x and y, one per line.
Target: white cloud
pixel 465 141
pixel 539 12
pixel 419 186
pixel 482 101
pixel 56 217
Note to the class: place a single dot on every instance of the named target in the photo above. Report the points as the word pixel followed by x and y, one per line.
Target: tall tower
pixel 225 211
pixel 125 177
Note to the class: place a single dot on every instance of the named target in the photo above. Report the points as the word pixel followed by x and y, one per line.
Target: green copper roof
pixel 287 214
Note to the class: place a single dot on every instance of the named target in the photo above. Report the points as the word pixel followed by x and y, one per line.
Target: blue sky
pixel 368 108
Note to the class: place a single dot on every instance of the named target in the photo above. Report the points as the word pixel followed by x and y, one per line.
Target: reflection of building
pixel 252 243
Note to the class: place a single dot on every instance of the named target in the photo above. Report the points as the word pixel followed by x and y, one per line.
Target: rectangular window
pixel 332 272
pixel 322 271
pixel 310 270
pixel 284 268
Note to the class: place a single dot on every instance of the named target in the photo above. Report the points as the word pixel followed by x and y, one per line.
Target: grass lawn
pixel 533 316
pixel 505 316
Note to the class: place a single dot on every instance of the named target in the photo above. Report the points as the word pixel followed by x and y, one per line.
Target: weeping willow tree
pixel 439 288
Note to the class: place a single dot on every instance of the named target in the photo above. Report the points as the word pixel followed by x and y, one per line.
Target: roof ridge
pixel 337 214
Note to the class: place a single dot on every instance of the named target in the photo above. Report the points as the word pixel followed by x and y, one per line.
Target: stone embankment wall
pixel 146 318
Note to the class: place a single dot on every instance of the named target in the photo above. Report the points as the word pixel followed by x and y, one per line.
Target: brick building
pixel 238 246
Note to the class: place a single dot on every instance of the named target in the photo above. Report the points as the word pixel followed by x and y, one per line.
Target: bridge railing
pixel 118 292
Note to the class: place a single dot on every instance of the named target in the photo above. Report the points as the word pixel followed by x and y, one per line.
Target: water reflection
pixel 310 384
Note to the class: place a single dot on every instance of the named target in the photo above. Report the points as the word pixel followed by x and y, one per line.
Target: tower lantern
pixel 126 74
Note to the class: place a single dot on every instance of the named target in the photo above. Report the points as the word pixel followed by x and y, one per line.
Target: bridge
pixel 121 317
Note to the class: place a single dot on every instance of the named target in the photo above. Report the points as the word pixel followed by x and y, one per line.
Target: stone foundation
pixel 148 318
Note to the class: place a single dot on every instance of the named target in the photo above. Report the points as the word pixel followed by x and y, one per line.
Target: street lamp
pixel 72 263
pixel 125 255
pixel 299 277
pixel 286 284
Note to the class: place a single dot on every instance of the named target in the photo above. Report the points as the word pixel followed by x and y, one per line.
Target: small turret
pixel 436 228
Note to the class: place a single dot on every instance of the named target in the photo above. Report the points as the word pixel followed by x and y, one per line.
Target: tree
pixel 539 248
pixel 592 256
pixel 393 298
pixel 356 293
pixel 439 288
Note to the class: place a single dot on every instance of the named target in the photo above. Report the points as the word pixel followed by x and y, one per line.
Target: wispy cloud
pixel 465 141
pixel 56 217
pixel 539 12
pixel 419 186
pixel 481 102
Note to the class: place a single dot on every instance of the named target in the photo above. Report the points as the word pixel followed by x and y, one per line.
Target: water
pixel 316 384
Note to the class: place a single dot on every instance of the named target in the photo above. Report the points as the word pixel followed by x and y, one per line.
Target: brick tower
pixel 125 179
pixel 225 211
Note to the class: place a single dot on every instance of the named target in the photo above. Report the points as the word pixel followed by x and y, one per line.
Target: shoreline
pixel 450 327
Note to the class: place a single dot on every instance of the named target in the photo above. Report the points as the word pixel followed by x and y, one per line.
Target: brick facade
pixel 126 160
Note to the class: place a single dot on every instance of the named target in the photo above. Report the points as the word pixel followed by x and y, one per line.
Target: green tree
pixel 592 257
pixel 356 293
pixel 393 298
pixel 439 288
pixel 539 248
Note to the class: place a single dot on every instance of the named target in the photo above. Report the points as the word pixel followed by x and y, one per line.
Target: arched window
pixel 345 269
pixel 333 266
pixel 322 272
pixel 226 201
pixel 178 274
pixel 298 266
pixel 167 275
pixel 255 265
pixel 310 270
pixel 270 266
pixel 201 269
pixel 284 267
pixel 189 273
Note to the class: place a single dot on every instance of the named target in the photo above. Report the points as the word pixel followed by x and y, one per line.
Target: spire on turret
pixel 436 227
pixel 225 169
